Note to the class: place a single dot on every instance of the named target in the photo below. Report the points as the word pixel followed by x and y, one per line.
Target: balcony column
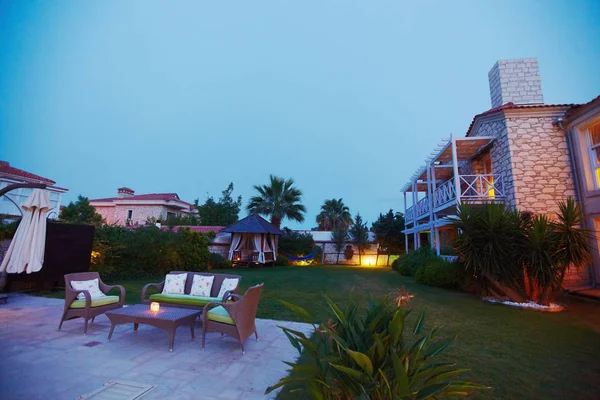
pixel 438 246
pixel 416 235
pixel 455 168
pixel 405 234
pixel 430 198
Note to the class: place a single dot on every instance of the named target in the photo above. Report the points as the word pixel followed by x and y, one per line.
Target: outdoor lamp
pixel 154 306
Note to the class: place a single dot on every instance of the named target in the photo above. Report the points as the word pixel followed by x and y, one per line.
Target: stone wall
pixel 118 214
pixel 516 81
pixel 542 172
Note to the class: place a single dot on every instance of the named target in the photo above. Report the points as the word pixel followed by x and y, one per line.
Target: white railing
pixel 444 194
pixel 482 187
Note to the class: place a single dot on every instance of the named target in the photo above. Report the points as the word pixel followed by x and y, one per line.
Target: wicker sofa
pixel 186 300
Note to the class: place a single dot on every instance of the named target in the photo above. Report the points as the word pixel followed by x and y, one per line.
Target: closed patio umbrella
pixel 26 251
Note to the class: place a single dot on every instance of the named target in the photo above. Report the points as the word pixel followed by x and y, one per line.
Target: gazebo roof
pixel 252 224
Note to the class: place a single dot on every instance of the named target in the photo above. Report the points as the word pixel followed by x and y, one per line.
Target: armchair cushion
pixel 219 314
pixel 91 286
pixel 175 284
pixel 228 284
pixel 184 299
pixel 102 301
pixel 201 285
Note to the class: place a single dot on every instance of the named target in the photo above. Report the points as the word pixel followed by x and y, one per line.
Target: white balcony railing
pixel 474 188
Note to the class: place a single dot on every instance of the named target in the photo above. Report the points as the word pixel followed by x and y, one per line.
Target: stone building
pixel 10 203
pixel 522 152
pixel 129 209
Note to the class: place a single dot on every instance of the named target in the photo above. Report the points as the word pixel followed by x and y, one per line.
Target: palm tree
pixel 278 200
pixel 334 214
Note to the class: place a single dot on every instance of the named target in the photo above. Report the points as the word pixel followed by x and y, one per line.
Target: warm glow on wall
pixel 369 261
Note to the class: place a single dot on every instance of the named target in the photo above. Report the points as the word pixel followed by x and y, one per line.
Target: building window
pixel 129 214
pixel 593 137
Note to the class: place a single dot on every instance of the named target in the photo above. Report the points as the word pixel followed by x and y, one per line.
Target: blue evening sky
pixel 346 97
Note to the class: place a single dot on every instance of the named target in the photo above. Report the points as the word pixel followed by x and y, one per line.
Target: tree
pixel 360 236
pixel 339 237
pixel 222 213
pixel 279 199
pixel 388 232
pixel 334 214
pixel 81 212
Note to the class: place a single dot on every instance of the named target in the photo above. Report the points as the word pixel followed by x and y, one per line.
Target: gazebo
pixel 253 240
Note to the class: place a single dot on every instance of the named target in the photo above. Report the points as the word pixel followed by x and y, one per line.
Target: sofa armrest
pixel 160 286
pixel 71 296
pixel 230 295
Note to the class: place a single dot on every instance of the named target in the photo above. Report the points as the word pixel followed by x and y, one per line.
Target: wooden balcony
pixel 473 189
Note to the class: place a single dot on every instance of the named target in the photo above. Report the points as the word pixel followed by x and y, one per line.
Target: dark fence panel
pixel 68 250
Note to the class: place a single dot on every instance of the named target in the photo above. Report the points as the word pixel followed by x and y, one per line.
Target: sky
pixel 346 97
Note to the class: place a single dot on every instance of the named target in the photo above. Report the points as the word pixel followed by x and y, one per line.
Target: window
pixel 593 137
pixel 129 214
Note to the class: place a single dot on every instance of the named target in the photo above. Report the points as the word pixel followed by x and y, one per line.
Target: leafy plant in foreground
pixel 351 357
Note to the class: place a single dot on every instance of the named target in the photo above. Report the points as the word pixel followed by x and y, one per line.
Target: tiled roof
pixel 7 169
pixel 201 229
pixel 150 196
pixel 513 106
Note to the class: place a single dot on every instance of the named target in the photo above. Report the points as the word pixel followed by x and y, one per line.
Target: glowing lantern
pixel 154 306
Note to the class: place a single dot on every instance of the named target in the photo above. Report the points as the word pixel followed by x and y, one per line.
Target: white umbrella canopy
pixel 26 251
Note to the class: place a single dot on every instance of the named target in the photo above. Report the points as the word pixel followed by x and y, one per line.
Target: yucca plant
pixel 572 240
pixel 488 244
pixel 539 249
pixel 371 357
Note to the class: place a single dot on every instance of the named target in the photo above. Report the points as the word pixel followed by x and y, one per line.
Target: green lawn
pixel 522 354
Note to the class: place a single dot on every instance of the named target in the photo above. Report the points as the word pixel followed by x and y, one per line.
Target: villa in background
pixel 129 209
pixel 10 203
pixel 522 152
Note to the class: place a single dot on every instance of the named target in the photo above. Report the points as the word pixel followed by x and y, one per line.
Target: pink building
pixel 131 209
pixel 523 152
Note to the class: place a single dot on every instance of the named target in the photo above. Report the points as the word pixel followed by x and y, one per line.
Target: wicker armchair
pixel 86 309
pixel 234 319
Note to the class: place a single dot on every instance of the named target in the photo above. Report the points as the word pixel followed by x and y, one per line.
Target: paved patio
pixel 39 362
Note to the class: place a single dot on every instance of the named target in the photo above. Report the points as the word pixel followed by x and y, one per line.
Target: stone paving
pixel 39 362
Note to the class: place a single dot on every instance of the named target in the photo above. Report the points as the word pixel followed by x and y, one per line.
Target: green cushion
pixel 185 299
pixel 100 301
pixel 219 314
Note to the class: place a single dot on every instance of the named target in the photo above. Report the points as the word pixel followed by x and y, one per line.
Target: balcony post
pixel 455 168
pixel 405 227
pixel 414 206
pixel 437 242
pixel 430 195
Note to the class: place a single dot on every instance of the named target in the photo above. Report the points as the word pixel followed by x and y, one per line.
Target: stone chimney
pixel 517 81
pixel 125 192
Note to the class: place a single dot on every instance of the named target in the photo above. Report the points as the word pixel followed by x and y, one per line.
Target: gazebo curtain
pixel 257 240
pixel 236 243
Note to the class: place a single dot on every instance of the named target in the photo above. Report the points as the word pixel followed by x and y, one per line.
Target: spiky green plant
pixel 372 357
pixel 488 243
pixel 572 240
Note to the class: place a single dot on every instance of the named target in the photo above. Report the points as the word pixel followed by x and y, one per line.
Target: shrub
pixel 282 260
pixel 217 261
pixel 147 252
pixel 296 243
pixel 441 273
pixel 7 230
pixel 352 357
pixel 407 264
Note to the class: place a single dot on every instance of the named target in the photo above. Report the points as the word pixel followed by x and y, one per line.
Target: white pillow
pixel 175 284
pixel 91 286
pixel 201 285
pixel 228 284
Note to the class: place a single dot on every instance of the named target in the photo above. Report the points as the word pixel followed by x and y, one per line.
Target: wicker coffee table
pixel 167 318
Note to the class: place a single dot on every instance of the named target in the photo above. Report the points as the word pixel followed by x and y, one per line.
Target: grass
pixel 522 354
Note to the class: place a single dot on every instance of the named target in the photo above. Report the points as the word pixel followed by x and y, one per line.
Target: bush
pixel 7 230
pixel 147 252
pixel 282 260
pixel 441 273
pixel 374 356
pixel 408 264
pixel 217 261
pixel 296 243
